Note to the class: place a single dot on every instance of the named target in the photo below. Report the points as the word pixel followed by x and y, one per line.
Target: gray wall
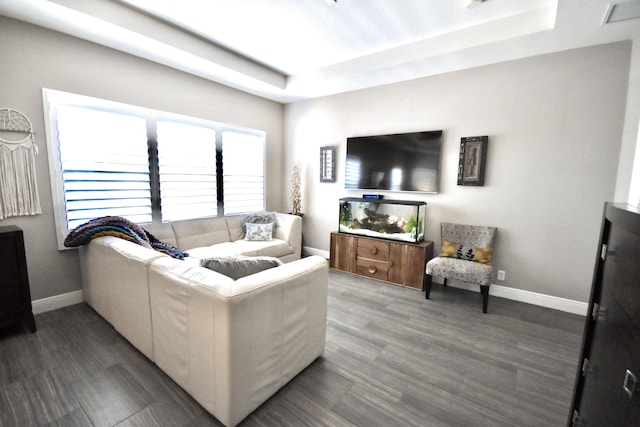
pixel 33 58
pixel 554 123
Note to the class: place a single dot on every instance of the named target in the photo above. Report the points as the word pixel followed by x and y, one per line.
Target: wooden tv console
pixel 390 261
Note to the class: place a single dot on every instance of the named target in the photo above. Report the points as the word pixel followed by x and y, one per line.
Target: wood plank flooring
pixel 392 358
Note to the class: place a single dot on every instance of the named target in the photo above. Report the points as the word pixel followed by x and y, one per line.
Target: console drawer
pixel 373 268
pixel 373 249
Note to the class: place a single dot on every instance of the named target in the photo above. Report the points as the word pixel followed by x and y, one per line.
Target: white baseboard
pixel 63 300
pixel 556 303
pixel 314 251
pixel 57 301
pixel 549 301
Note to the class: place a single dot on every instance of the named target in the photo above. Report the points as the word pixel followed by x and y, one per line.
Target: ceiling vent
pixel 617 12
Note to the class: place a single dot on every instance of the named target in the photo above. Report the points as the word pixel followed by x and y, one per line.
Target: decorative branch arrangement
pixel 296 195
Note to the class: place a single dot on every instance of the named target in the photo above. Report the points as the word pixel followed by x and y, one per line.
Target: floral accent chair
pixel 466 255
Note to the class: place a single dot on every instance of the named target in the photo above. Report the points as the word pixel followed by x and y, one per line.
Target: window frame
pixel 52 98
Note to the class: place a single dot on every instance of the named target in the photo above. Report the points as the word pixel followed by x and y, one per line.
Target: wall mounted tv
pixel 397 162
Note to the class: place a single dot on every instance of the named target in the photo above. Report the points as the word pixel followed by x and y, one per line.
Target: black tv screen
pixel 397 162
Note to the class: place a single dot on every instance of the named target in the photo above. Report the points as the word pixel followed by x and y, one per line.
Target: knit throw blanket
pixel 122 228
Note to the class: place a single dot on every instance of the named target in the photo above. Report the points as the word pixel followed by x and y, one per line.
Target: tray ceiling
pixel 294 49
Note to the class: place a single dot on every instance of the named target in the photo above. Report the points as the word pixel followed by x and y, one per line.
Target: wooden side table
pixel 15 296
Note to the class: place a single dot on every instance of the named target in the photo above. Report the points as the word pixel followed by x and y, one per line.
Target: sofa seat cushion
pixel 273 247
pixel 218 250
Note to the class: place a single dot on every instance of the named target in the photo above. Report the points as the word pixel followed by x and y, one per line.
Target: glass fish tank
pixel 402 220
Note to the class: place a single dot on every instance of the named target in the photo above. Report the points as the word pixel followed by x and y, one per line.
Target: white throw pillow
pixel 261 232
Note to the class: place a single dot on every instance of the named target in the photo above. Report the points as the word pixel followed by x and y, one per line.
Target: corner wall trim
pixel 549 301
pixel 57 301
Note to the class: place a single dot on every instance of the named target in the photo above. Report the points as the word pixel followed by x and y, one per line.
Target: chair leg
pixel 445 282
pixel 426 285
pixel 485 297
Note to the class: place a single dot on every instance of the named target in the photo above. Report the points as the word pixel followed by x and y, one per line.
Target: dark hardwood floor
pixel 392 358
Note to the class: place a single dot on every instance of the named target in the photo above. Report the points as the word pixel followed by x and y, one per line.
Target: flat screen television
pixel 397 162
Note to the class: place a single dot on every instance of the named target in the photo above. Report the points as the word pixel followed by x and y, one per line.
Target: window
pixel 187 169
pixel 243 172
pixel 145 165
pixel 104 172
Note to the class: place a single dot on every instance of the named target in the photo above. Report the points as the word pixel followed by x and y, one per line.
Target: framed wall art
pixel 328 164
pixel 473 160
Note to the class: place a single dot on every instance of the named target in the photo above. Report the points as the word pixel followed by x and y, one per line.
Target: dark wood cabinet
pixel 15 297
pixel 393 262
pixel 607 389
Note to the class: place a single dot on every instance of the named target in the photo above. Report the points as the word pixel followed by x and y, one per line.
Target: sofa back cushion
pixel 195 233
pixel 162 232
pixel 235 224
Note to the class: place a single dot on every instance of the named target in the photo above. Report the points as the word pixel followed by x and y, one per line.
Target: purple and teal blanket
pixel 122 228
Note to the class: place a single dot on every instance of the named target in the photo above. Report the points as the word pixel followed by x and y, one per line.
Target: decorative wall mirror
pixel 328 164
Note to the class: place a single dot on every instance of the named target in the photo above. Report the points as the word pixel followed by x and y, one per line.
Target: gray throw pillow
pixel 237 266
pixel 259 218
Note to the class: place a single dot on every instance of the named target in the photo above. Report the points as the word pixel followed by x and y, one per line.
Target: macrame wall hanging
pixel 18 187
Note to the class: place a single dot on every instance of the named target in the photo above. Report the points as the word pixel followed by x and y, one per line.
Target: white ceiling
pixel 294 49
pixel 298 36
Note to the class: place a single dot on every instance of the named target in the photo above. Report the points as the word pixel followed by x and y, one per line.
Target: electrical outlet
pixel 501 274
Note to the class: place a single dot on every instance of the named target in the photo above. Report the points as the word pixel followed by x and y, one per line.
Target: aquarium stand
pixel 399 263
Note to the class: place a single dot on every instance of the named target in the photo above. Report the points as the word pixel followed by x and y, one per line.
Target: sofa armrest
pixel 289 228
pixel 114 282
pixel 233 344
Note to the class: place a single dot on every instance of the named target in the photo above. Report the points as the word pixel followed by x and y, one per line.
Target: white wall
pixel 554 123
pixel 628 183
pixel 32 58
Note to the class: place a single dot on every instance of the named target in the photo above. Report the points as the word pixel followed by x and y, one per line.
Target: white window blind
pixel 108 158
pixel 187 167
pixel 105 168
pixel 243 172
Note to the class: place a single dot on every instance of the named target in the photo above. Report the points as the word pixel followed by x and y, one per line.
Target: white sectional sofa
pixel 231 344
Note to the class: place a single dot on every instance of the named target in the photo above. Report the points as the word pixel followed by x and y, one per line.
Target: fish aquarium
pixel 402 220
